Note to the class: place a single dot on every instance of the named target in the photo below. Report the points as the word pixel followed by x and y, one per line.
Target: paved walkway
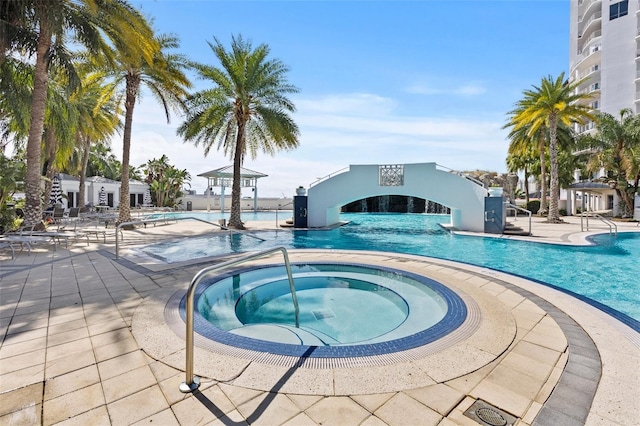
pixel 85 341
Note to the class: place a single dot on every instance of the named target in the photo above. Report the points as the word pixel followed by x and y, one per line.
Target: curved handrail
pixel 192 382
pixel 140 222
pixel 330 175
pixel 510 206
pixel 277 210
pixel 461 174
pixel 613 228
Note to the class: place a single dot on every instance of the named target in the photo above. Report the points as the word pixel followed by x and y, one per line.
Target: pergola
pixel 594 196
pixel 223 177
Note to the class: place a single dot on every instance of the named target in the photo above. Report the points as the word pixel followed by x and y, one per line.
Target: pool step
pixel 511 229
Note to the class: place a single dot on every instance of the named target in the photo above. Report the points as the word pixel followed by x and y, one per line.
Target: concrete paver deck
pixel 73 352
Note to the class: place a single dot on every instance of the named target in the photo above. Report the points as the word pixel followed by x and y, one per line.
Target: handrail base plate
pixel 187 388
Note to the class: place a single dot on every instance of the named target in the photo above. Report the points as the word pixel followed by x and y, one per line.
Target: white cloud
pixel 336 131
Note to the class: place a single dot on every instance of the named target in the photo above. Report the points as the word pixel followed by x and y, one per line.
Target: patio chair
pixel 58 214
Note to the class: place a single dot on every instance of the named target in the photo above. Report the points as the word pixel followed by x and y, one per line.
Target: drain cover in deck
pixel 487 414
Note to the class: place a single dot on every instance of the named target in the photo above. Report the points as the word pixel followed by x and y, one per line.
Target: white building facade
pixel 605 49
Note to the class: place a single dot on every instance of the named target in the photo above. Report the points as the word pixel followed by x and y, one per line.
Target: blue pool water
pixel 608 272
pixel 344 309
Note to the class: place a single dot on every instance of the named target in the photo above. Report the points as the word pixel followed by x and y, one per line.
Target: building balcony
pixel 594 20
pixel 588 8
pixel 593 38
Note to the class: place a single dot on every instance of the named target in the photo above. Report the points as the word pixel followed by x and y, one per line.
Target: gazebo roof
pixel 589 185
pixel 227 172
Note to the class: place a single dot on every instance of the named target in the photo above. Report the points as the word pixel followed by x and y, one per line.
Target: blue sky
pixel 381 82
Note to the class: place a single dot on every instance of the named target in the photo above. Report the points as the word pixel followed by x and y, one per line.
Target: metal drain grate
pixel 321 314
pixel 487 414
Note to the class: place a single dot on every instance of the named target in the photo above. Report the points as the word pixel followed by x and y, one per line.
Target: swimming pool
pixel 607 272
pixel 345 309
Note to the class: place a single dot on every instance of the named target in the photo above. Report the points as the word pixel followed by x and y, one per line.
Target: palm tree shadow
pixel 220 415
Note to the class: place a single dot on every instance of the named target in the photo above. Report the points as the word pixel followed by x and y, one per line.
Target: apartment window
pixel 618 9
pixel 595 105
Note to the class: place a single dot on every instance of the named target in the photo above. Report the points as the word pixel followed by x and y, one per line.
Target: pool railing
pixel 164 220
pixel 192 382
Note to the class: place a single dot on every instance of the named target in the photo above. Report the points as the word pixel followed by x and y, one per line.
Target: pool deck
pixel 86 341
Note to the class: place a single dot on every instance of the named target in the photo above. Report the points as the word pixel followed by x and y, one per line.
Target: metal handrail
pixel 461 174
pixel 613 228
pixel 140 222
pixel 516 208
pixel 277 210
pixel 192 382
pixel 330 175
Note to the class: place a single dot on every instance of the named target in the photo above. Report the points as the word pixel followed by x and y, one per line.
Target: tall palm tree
pixel 523 145
pixel 98 120
pixel 554 101
pixel 521 158
pixel 615 147
pixel 247 110
pixel 50 22
pixel 164 76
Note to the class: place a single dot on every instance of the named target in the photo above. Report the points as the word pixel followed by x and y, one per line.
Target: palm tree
pixel 615 148
pixel 164 76
pixel 525 145
pixel 45 27
pixel 246 110
pixel 521 158
pixel 555 101
pixel 98 120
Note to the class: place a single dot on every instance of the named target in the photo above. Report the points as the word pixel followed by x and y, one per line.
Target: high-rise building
pixel 605 47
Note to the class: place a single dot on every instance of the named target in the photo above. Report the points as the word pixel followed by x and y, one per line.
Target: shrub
pixel 533 206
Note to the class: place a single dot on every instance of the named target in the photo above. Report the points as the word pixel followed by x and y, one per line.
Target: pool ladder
pixel 192 382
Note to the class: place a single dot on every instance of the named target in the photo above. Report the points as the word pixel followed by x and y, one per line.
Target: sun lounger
pixel 25 241
pixel 7 244
pixel 56 236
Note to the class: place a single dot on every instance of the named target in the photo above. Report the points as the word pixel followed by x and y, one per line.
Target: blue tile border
pixel 455 316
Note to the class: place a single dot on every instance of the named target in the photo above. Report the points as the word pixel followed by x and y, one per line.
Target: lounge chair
pixel 7 244
pixel 55 236
pixel 58 214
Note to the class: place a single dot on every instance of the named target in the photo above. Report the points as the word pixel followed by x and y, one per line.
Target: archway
pixel 464 196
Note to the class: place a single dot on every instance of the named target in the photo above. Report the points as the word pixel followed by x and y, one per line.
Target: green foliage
pixel 246 110
pixel 12 173
pixel 165 181
pixel 533 206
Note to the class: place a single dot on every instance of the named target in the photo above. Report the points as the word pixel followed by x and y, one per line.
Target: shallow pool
pixel 343 308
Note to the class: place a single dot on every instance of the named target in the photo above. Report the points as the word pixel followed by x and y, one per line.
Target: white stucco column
pixel 456 218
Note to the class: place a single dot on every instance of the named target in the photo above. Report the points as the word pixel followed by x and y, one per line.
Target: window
pixel 618 9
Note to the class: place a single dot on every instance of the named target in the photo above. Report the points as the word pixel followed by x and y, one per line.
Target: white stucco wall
pixel 424 180
pixel 202 202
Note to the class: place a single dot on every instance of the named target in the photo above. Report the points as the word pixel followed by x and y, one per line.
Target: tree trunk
pixel 33 192
pixel 554 214
pixel 83 172
pixel 51 145
pixel 526 186
pixel 543 177
pixel 626 199
pixel 235 219
pixel 133 83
